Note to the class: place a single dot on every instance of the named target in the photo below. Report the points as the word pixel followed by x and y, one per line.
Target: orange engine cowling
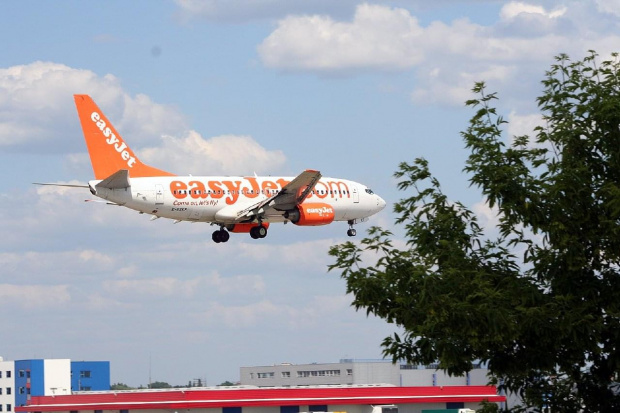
pixel 244 228
pixel 311 214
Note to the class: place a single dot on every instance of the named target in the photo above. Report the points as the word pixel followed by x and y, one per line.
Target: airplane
pixel 238 204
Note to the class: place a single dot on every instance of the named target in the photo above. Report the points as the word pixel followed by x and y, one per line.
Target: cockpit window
pixel 369 191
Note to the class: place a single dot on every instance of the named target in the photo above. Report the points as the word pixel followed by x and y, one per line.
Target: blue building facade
pixel 29 380
pixel 23 379
pixel 90 375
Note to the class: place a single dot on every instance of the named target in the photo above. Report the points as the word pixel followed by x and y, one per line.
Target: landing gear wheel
pixel 261 231
pixel 253 233
pixel 258 232
pixel 351 232
pixel 220 235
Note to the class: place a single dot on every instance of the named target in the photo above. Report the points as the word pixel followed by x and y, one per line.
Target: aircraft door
pixel 356 195
pixel 159 194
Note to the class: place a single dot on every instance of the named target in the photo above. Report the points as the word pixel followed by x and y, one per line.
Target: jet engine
pixel 312 214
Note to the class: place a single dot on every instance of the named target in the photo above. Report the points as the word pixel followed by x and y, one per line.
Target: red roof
pixel 242 396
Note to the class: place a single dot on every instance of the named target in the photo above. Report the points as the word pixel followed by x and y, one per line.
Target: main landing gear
pixel 221 235
pixel 351 231
pixel 258 232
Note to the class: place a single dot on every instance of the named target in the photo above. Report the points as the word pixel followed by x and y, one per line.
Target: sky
pixel 238 87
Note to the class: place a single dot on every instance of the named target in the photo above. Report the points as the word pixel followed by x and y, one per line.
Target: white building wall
pixel 7 385
pixel 355 372
pixel 57 377
pixel 430 377
pixel 375 373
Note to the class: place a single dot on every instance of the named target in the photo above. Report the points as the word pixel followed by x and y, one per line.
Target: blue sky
pixel 236 87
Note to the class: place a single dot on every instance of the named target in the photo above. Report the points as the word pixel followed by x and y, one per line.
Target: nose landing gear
pixel 351 231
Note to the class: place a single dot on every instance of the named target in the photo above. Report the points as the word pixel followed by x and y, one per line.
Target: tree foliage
pixel 120 386
pixel 540 300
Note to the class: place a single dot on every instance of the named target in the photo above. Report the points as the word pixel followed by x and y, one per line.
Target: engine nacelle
pixel 311 214
pixel 244 228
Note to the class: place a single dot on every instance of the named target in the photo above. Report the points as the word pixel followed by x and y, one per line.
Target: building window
pixel 8 374
pixel 22 373
pixel 286 374
pixel 0 391
pixel 9 408
pixel 269 375
pixel 318 373
pixel 252 376
pixel 0 374
pixel 349 372
pixel 8 390
pixel 22 390
pixel 85 374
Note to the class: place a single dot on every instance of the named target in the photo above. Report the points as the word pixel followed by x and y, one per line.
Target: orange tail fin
pixel 108 151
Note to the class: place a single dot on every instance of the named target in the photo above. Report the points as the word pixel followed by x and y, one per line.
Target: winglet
pixel 108 151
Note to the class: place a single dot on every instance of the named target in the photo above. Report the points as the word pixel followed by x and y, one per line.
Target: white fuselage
pixel 207 198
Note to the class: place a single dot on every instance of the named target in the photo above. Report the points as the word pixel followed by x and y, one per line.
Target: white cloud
pixel 488 217
pixel 243 316
pixel 517 8
pixel 447 57
pixel 34 296
pixel 37 112
pixel 243 10
pixel 378 37
pixel 609 6
pixel 186 288
pixel 227 154
pixel 519 125
pixel 456 88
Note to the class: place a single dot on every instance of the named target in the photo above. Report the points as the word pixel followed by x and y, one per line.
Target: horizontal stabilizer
pixel 118 180
pixel 64 185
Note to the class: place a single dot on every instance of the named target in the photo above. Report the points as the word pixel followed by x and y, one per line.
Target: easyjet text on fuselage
pixel 250 187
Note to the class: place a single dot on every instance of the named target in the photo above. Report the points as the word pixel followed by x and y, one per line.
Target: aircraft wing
pixel 293 194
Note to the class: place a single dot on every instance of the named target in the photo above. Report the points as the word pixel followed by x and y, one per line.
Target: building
pixel 251 399
pixel 90 375
pixel 7 385
pixel 20 380
pixel 361 372
pixel 350 372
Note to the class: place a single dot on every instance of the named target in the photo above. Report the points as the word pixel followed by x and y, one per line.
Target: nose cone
pixel 380 203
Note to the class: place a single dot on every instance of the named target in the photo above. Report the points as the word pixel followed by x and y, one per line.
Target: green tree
pixel 540 301
pixel 120 386
pixel 159 385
